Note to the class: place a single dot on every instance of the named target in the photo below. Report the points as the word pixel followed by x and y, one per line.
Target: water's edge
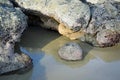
pixel 42 46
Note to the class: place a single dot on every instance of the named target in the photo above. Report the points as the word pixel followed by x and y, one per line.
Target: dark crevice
pixel 91 14
pixel 84 1
pixel 36 18
pixel 14 3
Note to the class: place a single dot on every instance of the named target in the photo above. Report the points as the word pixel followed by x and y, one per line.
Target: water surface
pixel 42 46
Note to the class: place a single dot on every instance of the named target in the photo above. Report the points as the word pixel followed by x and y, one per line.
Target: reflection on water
pixel 38 69
pixel 42 46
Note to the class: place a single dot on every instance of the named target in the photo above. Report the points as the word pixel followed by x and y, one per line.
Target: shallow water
pixel 42 46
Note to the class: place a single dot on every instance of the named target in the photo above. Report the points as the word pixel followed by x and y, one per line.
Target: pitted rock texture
pixel 78 20
pixel 105 21
pixel 14 62
pixel 99 1
pixel 108 38
pixel 72 13
pixel 71 51
pixel 12 24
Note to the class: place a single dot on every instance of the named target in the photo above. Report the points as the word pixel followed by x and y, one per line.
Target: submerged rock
pixel 71 51
pixel 12 24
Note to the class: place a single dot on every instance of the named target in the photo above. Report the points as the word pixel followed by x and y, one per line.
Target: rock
pixel 72 13
pixel 6 3
pixel 71 51
pixel 100 1
pixel 14 62
pixel 105 21
pixel 75 19
pixel 105 16
pixel 108 38
pixel 12 24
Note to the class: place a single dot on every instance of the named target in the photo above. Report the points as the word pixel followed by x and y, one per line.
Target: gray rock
pixel 6 3
pixel 107 38
pixel 71 51
pixel 12 24
pixel 72 13
pixel 104 16
pixel 105 21
pixel 73 18
pixel 100 1
pixel 15 62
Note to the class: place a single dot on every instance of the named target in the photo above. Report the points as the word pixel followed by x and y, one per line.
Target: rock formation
pixel 105 24
pixel 78 20
pixel 94 21
pixel 99 1
pixel 12 24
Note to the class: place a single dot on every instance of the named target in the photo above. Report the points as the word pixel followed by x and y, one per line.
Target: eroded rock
pixel 105 21
pixel 72 13
pixel 12 24
pixel 75 19
pixel 100 1
pixel 108 38
pixel 71 51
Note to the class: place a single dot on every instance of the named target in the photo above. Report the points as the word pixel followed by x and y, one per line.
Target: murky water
pixel 42 46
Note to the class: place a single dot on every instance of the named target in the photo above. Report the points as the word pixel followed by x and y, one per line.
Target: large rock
pixel 72 13
pixel 75 19
pixel 100 1
pixel 71 51
pixel 12 24
pixel 105 24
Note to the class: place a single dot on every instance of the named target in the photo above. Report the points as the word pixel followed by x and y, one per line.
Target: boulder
pixel 100 1
pixel 77 20
pixel 71 51
pixel 12 23
pixel 73 14
pixel 105 21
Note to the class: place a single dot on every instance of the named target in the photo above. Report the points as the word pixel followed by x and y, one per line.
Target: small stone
pixel 70 51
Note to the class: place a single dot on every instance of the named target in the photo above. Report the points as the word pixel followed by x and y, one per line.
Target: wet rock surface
pixel 12 24
pixel 71 51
